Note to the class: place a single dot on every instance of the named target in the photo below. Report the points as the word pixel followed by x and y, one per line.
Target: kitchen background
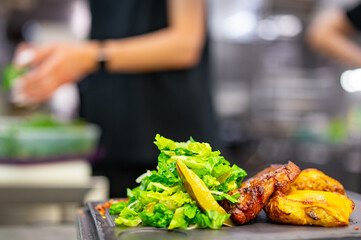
pixel 276 99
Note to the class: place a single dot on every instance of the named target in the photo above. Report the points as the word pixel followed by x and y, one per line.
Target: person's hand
pixel 51 66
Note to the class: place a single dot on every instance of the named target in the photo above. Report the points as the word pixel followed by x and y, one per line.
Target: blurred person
pixel 144 71
pixel 331 34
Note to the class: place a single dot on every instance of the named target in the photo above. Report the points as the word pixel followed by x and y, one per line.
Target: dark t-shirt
pixel 354 16
pixel 132 108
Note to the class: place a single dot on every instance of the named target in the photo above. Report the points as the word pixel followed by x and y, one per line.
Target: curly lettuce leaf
pixel 128 217
pixel 172 199
pixel 219 196
pixel 116 208
pixel 179 219
pixel 216 219
pixel 158 216
pixel 211 219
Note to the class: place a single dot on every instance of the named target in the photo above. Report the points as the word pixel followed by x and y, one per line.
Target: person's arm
pixel 177 46
pixel 330 34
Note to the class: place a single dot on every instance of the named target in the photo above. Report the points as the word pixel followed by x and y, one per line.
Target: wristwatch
pixel 102 57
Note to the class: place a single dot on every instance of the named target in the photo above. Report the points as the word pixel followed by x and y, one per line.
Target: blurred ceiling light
pixel 289 25
pixel 267 30
pixel 240 24
pixel 80 19
pixel 351 80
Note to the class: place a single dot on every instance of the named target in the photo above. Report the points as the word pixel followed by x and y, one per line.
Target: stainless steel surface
pixel 38 232
pixel 33 194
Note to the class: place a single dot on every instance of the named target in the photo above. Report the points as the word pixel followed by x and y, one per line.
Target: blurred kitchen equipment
pixel 39 138
pixel 47 192
pixel 44 172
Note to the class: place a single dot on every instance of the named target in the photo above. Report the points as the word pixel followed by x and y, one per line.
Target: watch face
pixel 102 56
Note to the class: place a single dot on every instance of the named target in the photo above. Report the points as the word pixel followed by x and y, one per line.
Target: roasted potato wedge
pixel 309 207
pixel 313 179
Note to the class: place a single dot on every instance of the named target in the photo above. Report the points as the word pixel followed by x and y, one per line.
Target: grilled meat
pixel 284 175
pixel 271 168
pixel 256 191
pixel 252 200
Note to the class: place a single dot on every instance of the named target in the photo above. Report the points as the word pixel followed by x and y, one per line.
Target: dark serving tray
pixel 92 226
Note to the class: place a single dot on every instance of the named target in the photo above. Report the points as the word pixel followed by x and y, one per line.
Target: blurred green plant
pixel 337 131
pixel 9 74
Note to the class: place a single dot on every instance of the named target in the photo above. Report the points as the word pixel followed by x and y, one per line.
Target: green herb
pixel 9 74
pixel 160 200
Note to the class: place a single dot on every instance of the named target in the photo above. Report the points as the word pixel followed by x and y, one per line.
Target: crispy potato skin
pixel 309 207
pixel 313 179
pixel 256 191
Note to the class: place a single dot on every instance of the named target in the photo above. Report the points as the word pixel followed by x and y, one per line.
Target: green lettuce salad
pixel 160 200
